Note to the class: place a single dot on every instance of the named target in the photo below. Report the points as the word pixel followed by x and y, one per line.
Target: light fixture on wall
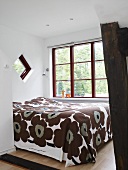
pixel 44 72
pixel 6 66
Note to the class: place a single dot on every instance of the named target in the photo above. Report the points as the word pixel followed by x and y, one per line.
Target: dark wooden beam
pixel 116 71
pixel 123 40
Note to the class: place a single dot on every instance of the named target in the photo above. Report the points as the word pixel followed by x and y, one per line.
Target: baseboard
pixel 8 150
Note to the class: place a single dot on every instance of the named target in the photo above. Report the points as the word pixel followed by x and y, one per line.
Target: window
pixel 79 70
pixel 22 67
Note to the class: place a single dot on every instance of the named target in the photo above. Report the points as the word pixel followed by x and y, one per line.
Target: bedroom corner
pixel 6 116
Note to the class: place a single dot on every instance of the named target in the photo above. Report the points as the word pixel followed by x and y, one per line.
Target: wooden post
pixel 116 72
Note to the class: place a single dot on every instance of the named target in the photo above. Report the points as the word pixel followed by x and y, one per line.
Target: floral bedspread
pixel 64 131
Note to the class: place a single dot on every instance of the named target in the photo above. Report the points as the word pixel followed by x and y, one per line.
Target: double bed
pixel 70 132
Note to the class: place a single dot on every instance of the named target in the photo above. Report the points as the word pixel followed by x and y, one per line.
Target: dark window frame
pixel 93 61
pixel 26 66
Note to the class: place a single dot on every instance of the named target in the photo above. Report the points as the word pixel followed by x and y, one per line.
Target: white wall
pixel 12 88
pixel 74 37
pixel 6 116
pixel 14 43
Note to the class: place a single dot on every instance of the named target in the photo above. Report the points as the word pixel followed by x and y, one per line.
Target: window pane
pixel 82 53
pixel 100 69
pixel 18 66
pixel 63 85
pixel 63 72
pixel 82 70
pixel 98 51
pixel 101 88
pixel 62 55
pixel 83 88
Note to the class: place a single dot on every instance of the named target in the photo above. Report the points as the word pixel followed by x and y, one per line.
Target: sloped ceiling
pixel 112 11
pixel 48 18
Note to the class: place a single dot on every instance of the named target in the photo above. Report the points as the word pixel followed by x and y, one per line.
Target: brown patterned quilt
pixel 64 131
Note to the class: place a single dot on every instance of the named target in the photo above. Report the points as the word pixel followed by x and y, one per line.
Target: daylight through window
pixel 79 70
pixel 22 67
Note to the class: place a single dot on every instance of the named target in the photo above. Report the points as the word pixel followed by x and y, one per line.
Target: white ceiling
pixel 112 11
pixel 33 16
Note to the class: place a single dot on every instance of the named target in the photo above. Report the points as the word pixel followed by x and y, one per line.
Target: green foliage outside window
pixel 82 71
pixel 18 66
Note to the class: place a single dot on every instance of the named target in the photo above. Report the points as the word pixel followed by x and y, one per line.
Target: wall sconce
pixel 6 66
pixel 44 73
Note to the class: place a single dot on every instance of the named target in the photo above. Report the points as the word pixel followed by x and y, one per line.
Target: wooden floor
pixel 105 160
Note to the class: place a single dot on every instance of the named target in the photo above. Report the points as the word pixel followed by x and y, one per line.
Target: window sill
pixel 81 100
